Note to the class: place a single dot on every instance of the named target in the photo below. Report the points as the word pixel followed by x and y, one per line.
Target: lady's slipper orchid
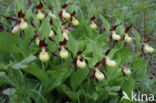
pixel 97 74
pixel 126 37
pixel 43 55
pixel 79 61
pixel 64 14
pixel 148 48
pixel 125 70
pixel 37 40
pixel 15 29
pixel 63 49
pixel 115 36
pixel 65 32
pixel 110 62
pixel 23 24
pixel 92 23
pixel 51 34
pixel 40 14
pixel 75 22
pixel 52 15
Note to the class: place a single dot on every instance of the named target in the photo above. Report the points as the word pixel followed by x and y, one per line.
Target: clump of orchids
pixel 116 37
pixel 79 61
pixel 21 23
pixel 37 36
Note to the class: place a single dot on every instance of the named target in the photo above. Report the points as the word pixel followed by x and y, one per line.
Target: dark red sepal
pixel 65 22
pixel 75 64
pixel 61 43
pixel 38 52
pixel 73 14
pixel 107 52
pixel 92 19
pixel 80 52
pixel 31 22
pixel 1 27
pixel 39 6
pixel 51 22
pixel 64 6
pixel 123 72
pixel 42 43
pixel 153 39
pixel 128 28
pixel 114 27
pixel 126 64
pixel 51 39
pixel 86 61
pixel 143 53
pixel 21 14
pixel 97 64
pixel 10 18
pixel 104 64
pixel 60 15
pixel 110 37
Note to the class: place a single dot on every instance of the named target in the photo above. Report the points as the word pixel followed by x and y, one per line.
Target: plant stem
pixel 43 67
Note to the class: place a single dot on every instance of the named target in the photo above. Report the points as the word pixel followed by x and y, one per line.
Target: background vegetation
pixel 23 79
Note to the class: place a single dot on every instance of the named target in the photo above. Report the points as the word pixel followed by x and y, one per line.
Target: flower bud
pixel 126 71
pixel 81 63
pixel 75 22
pixel 93 25
pixel 15 29
pixel 37 40
pixel 65 14
pixel 99 75
pixel 51 34
pixel 44 56
pixel 148 48
pixel 64 53
pixel 110 62
pixel 23 25
pixel 115 36
pixel 127 38
pixel 40 15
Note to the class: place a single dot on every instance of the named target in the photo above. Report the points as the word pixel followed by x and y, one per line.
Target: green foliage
pixel 25 79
